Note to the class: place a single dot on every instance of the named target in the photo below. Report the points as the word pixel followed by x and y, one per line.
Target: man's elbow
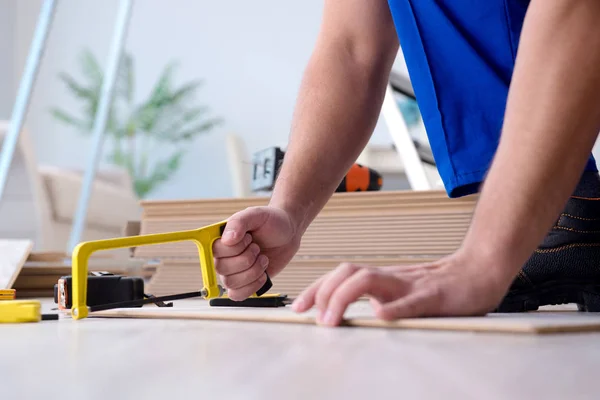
pixel 371 56
pixel 363 58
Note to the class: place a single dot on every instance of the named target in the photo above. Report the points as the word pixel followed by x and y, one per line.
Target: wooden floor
pixel 175 359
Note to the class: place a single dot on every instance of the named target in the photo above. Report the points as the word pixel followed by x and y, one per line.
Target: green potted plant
pixel 167 118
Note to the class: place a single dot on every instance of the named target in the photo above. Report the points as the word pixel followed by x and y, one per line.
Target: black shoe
pixel 566 267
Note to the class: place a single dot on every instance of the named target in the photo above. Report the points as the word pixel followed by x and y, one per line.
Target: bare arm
pixel 338 104
pixel 551 123
pixel 337 108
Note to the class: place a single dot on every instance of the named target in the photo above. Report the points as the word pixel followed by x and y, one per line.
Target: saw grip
pixel 204 239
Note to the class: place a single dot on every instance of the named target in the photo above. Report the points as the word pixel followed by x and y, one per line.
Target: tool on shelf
pixel 268 162
pixel 7 294
pixel 103 288
pixel 203 238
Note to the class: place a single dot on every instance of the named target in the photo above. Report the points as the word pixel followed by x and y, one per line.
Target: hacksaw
pixel 203 237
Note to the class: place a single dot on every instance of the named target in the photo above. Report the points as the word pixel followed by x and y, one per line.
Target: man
pixel 509 91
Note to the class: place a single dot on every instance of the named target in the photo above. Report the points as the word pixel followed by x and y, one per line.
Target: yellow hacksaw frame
pixel 204 239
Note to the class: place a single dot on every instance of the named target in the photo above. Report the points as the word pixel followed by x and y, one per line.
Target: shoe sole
pixel 584 294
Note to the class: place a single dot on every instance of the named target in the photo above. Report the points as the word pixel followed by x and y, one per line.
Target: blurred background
pixel 239 67
pixel 201 88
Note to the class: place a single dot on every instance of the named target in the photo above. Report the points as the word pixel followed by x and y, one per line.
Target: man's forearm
pixel 551 123
pixel 337 109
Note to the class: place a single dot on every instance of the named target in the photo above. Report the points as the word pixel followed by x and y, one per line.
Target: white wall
pixel 251 56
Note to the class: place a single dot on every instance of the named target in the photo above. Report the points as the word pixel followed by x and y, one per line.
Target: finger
pixel 339 275
pixel 242 222
pixel 420 303
pixel 306 299
pixel 248 290
pixel 375 302
pixel 367 282
pixel 233 265
pixel 241 279
pixel 221 250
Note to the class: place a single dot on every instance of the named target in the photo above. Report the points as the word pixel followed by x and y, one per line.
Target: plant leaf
pixel 160 100
pixel 121 159
pixel 88 96
pixel 183 92
pixel 161 173
pixel 161 89
pixel 124 86
pixel 91 68
pixel 64 117
pixel 191 133
pixel 176 121
pixel 77 89
pixel 165 117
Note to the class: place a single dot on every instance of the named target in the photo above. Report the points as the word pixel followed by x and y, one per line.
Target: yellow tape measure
pixel 17 311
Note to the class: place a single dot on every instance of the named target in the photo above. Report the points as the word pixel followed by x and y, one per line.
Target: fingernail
pixel 255 250
pixel 247 240
pixel 328 319
pixel 264 260
pixel 298 304
pixel 229 235
pixel 320 316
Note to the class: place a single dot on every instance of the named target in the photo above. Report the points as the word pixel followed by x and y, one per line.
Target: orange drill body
pixel 360 179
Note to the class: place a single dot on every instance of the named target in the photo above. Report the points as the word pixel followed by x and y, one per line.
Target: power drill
pixel 267 163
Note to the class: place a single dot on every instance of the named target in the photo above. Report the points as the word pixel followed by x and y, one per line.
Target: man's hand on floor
pixel 457 285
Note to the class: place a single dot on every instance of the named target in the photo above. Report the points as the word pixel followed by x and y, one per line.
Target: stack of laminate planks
pixel 375 228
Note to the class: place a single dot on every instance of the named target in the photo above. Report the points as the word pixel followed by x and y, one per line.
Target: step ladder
pixel 21 105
